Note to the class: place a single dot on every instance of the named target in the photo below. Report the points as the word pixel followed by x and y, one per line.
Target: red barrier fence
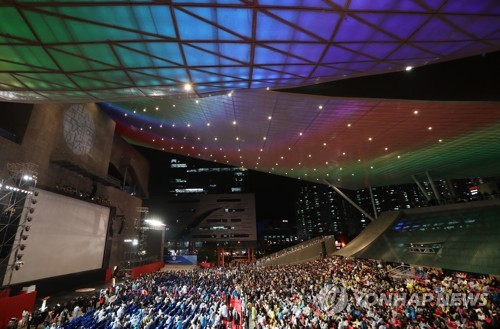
pixel 150 268
pixel 11 307
pixel 109 275
pixel 4 293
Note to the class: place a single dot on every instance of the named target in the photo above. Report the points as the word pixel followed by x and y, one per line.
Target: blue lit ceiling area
pixel 84 51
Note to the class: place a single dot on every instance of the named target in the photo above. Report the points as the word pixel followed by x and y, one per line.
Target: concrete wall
pixel 83 135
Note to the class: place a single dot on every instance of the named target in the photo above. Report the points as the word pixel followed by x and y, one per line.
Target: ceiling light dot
pixel 320 107
pixel 141 129
pixel 399 156
pixel 196 101
pixel 310 155
pixel 220 149
pixel 269 117
pixel 234 122
pixel 188 87
pixel 261 150
pixel 153 140
pixel 182 147
pixel 282 158
pixel 371 167
pixel 208 124
pixel 314 169
pixel 348 125
pixel 163 149
pixel 386 148
pixel 289 148
pixel 173 105
pixel 352 174
pixel 257 163
pixel 126 114
pixel 189 125
pixel 327 175
pixel 429 128
pixel 370 139
pixel 343 153
pixel 205 147
pixel 267 88
pixel 157 108
pixel 300 134
pixel 264 138
pixel 162 138
pixel 150 127
pixel 198 138
pixel 338 179
pixel 300 163
pixel 324 144
pixel 276 163
pixel 215 138
pixel 199 154
pixel 237 138
pixel 172 138
pixel 239 150
pixel 326 162
pixel 135 111
pixel 143 110
pixel 340 168
pixel 161 126
pixel 359 160
pixel 415 112
pixel 171 147
pixel 192 147
pixel 408 68
pixel 440 141
pixel 258 158
pixel 224 156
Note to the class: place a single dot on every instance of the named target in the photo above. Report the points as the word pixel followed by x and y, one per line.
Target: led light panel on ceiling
pixel 350 142
pixel 102 51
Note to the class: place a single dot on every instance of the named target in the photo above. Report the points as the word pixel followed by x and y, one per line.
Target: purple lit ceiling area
pixel 83 51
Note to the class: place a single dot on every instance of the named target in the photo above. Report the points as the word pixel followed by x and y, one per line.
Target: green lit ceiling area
pixel 86 51
pixel 201 78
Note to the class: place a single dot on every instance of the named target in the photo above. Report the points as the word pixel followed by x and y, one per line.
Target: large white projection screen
pixel 66 236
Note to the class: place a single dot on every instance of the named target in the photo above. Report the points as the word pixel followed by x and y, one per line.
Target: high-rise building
pixel 187 177
pixel 205 204
pixel 317 212
pixel 321 211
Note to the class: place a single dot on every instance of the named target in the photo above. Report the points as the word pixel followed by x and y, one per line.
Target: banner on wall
pixel 181 260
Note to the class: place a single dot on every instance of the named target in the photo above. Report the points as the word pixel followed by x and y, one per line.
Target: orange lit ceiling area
pixel 200 78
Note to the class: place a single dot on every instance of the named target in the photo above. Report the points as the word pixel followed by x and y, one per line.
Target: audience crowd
pixel 279 297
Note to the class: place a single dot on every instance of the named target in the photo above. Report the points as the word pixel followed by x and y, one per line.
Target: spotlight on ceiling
pixel 188 87
pixel 408 68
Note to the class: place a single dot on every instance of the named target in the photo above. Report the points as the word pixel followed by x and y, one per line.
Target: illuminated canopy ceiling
pixel 234 53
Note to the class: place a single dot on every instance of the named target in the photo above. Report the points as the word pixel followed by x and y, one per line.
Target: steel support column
pixel 433 186
pixel 336 189
pixel 373 202
pixel 421 188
